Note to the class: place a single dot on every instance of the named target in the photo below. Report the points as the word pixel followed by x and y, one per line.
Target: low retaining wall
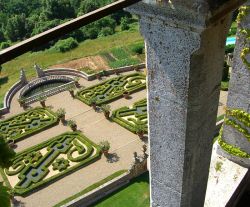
pixel 73 72
pixel 9 96
pixel 100 192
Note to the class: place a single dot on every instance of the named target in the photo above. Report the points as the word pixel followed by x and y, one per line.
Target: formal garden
pixel 28 123
pixel 133 118
pixel 36 167
pixel 50 160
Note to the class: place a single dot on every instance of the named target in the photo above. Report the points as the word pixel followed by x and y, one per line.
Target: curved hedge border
pixel 12 127
pixel 112 89
pixel 62 144
pixel 119 116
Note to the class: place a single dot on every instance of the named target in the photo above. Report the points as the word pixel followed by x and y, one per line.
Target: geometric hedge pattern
pixel 133 116
pixel 49 161
pixel 27 123
pixel 112 89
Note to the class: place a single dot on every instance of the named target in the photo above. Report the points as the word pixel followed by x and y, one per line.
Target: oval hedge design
pixel 60 155
pixel 131 118
pixel 112 89
pixel 28 123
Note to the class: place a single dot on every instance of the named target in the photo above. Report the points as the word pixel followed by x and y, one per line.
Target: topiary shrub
pixel 225 73
pixel 137 49
pixel 66 44
pixel 229 49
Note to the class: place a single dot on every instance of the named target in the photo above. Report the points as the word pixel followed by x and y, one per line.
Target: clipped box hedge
pixel 139 111
pixel 28 123
pixel 33 165
pixel 112 89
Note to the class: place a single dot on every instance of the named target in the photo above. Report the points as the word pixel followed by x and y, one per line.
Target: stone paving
pixel 95 127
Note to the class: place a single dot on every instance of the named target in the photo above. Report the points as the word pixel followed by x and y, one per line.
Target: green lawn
pixel 50 57
pixel 136 194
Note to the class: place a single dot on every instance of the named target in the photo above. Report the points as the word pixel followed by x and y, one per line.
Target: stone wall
pixel 235 137
pixel 73 72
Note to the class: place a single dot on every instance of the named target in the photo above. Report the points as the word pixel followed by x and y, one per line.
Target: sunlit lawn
pixel 136 194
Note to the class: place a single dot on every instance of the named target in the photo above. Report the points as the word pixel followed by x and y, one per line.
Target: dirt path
pixel 93 62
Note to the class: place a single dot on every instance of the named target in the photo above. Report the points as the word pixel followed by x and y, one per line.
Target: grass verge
pixel 136 193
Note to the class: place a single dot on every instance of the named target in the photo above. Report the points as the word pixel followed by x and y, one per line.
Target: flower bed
pixel 28 123
pixel 133 116
pixel 48 161
pixel 112 89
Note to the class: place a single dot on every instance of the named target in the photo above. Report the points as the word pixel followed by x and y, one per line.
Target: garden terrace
pixel 28 123
pixel 112 89
pixel 183 88
pixel 50 160
pixel 131 117
pixel 42 84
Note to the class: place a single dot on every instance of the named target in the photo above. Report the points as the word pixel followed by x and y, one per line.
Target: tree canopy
pixel 21 19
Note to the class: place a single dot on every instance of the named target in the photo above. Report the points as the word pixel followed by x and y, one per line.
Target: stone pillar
pixel 184 59
pixel 234 141
pixel 23 77
pixel 40 73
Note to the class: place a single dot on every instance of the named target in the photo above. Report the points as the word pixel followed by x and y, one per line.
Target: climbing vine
pixel 241 115
pixel 236 118
pixel 243 12
pixel 230 148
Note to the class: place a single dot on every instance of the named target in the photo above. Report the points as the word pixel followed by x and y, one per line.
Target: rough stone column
pixel 184 59
pixel 234 142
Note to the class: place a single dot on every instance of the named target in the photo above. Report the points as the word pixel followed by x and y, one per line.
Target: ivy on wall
pixel 243 12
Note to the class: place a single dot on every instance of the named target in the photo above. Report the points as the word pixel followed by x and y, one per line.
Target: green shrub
pixel 229 49
pixel 66 44
pixel 39 120
pixel 104 145
pixel 61 112
pixel 225 73
pixel 4 45
pixel 106 31
pixel 124 23
pixel 232 31
pixel 137 49
pixel 6 153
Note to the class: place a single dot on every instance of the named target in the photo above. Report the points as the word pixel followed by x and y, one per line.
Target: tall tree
pixel 16 27
pixel 6 156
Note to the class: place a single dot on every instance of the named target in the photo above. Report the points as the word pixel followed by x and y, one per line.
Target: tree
pixel 58 9
pixel 88 6
pixel 6 156
pixel 2 38
pixel 124 23
pixel 16 27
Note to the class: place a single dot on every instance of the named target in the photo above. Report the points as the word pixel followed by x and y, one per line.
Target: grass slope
pixel 134 194
pixel 49 57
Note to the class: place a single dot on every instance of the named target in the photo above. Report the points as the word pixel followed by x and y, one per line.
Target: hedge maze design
pixel 28 123
pixel 50 160
pixel 133 116
pixel 112 89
